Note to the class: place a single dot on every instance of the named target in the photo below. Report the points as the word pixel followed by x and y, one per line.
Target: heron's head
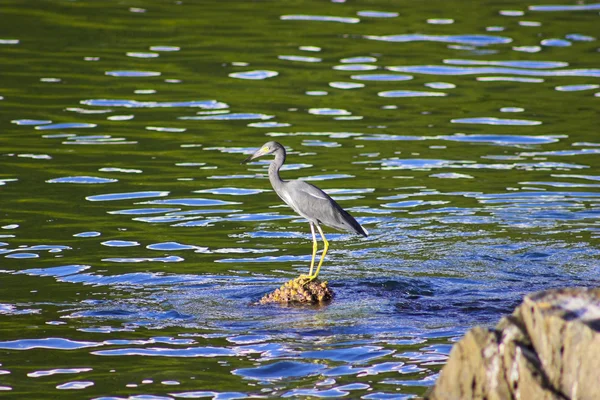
pixel 266 149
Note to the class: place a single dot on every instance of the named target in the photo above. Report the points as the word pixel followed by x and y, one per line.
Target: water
pixel 134 245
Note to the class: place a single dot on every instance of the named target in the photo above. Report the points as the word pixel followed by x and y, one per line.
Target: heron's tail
pixel 365 232
pixel 348 223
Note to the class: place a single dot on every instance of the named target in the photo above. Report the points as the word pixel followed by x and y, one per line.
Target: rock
pixel 300 290
pixel 549 348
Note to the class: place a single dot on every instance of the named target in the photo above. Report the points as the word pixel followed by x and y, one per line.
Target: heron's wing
pixel 315 205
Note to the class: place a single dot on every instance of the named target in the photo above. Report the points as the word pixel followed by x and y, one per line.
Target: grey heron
pixel 309 202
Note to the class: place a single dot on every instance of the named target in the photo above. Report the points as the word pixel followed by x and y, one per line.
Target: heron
pixel 309 202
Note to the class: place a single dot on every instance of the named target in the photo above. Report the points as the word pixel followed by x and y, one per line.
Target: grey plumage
pixel 307 200
pixel 318 207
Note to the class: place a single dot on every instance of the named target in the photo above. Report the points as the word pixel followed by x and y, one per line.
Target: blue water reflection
pixel 133 240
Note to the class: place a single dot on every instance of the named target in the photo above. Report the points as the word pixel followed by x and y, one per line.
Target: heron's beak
pixel 260 152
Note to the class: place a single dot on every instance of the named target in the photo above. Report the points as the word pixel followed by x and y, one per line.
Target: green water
pixel 134 244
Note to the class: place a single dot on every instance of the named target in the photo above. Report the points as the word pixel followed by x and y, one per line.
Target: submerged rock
pixel 300 290
pixel 549 348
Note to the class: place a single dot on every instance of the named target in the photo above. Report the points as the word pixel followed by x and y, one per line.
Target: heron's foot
pixel 307 278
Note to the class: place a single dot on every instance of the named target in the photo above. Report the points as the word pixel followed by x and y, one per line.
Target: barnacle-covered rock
pixel 300 290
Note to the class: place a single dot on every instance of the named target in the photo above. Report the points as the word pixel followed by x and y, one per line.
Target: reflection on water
pixel 132 271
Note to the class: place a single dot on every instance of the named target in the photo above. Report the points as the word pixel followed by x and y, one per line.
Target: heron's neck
pixel 274 167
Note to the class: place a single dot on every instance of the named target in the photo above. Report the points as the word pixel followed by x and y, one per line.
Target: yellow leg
pixel 314 253
pixel 326 246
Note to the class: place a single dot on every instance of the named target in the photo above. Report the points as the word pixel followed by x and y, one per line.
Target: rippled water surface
pixel 134 245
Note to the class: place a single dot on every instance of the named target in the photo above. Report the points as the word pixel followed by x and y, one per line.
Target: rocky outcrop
pixel 549 348
pixel 301 290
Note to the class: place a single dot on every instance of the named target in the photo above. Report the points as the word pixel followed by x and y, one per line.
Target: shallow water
pixel 134 245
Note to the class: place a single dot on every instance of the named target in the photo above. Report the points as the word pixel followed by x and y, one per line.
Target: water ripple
pixel 554 42
pixel 377 14
pixel 232 191
pixel 381 136
pixel 204 104
pixel 195 202
pixel 22 255
pixel 254 75
pixel 580 38
pixel 133 279
pixel 451 175
pixel 355 67
pixel 300 58
pixel 63 270
pixel 229 117
pixel 31 121
pixel 527 49
pixel 280 370
pixel 508 79
pixel 132 74
pixel 475 40
pixel 88 234
pixel 582 7
pixel 382 77
pixel 440 85
pixel 271 124
pixel 144 211
pixel 500 139
pixel 47 343
pixel 65 125
pixel 356 354
pixel 120 243
pixel 512 63
pixel 316 93
pixel 5 181
pixel 346 85
pixel 448 70
pixel 358 60
pixel 141 55
pixel 174 246
pixel 496 121
pixel 204 393
pixel 10 309
pixel 165 48
pixel 81 180
pixel 576 88
pixel 322 18
pixel 410 93
pixel 310 48
pixel 165 129
pixel 169 352
pixel 126 196
pixel 37 374
pixel 328 111
pixel 312 393
pixel 75 385
pixel 168 259
pixel 440 21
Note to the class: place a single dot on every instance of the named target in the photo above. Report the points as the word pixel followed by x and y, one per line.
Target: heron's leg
pixel 314 253
pixel 326 246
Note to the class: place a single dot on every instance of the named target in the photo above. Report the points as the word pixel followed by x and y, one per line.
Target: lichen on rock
pixel 548 349
pixel 301 290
